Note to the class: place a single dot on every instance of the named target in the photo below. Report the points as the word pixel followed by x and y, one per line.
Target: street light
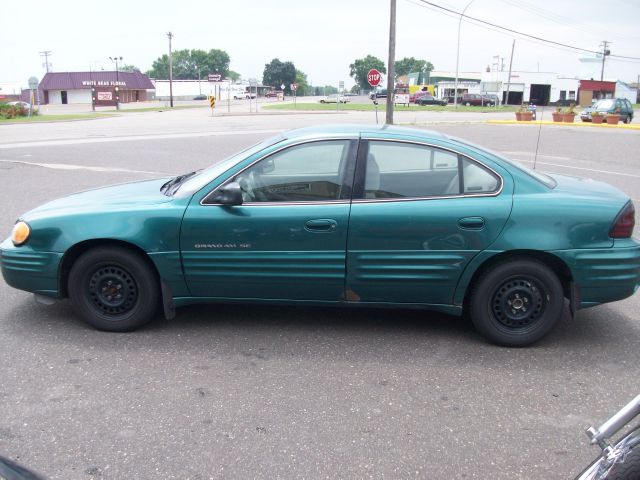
pixel 116 59
pixel 455 93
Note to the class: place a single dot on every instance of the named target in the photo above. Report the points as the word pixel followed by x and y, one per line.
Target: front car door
pixel 420 213
pixel 287 240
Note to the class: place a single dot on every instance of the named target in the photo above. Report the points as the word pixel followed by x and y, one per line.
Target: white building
pixel 539 88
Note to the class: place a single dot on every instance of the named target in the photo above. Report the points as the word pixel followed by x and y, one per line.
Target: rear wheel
pixel 516 303
pixel 627 119
pixel 468 104
pixel 113 289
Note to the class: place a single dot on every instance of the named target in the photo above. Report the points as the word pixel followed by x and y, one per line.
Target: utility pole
pixel 455 85
pixel 391 81
pixel 513 46
pixel 605 52
pixel 46 55
pixel 170 35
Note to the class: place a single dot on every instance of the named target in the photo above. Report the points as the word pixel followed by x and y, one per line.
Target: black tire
pixel 321 101
pixel 629 469
pixel 113 289
pixel 468 104
pixel 627 119
pixel 516 303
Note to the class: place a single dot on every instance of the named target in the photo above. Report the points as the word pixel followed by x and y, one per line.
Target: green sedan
pixel 338 215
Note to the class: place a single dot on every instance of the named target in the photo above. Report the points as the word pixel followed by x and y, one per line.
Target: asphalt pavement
pixel 238 392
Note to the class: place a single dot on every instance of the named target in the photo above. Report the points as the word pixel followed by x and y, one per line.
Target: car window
pixel 312 172
pixel 405 170
pixel 477 179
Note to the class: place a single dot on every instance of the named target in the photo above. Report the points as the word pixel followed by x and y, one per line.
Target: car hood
pixel 115 197
pixel 587 187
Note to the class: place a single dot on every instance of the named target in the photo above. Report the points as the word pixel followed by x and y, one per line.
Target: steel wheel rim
pixel 112 290
pixel 519 303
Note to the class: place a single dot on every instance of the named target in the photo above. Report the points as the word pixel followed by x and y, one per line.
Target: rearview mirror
pixel 229 194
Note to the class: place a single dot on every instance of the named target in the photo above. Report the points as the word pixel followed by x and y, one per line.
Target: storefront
pixel 78 87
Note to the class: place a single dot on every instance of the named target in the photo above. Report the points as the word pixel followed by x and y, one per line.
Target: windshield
pixel 604 104
pixel 201 178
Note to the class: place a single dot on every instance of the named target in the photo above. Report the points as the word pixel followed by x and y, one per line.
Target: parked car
pixel 334 98
pixel 273 93
pixel 243 95
pixel 421 219
pixel 430 100
pixel 18 103
pixel 475 99
pixel 200 97
pixel 378 94
pixel 414 96
pixel 610 105
pixel 492 99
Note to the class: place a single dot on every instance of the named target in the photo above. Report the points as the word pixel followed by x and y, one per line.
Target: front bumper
pixel 26 269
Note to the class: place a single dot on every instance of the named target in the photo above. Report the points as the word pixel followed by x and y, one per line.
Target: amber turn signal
pixel 20 233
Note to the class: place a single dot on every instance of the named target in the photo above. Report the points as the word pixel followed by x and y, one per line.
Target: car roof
pixel 358 129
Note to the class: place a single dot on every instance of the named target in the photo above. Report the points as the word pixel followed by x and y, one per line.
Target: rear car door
pixel 420 213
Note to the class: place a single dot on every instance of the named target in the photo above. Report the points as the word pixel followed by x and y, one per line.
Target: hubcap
pixel 518 302
pixel 112 290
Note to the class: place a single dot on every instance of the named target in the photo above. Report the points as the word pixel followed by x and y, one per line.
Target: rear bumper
pixel 29 270
pixel 604 275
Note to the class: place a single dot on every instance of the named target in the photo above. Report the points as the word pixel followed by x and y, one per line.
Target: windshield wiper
pixel 172 185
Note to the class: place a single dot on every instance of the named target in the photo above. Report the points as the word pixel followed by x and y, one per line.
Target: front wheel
pixel 516 303
pixel 113 289
pixel 322 101
pixel 468 104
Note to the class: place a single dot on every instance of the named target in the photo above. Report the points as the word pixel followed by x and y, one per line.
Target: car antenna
pixel 535 157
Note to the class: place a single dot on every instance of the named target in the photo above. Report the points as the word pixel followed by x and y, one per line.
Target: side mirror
pixel 229 194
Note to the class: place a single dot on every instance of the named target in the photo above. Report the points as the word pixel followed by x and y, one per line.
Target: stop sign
pixel 374 77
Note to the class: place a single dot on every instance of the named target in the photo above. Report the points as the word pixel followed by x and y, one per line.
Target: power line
pixel 46 54
pixel 540 39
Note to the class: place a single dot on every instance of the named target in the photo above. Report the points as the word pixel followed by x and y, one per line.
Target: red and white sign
pixel 374 77
pixel 294 86
pixel 105 96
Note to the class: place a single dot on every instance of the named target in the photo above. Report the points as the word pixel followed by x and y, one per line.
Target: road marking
pixel 133 138
pixel 608 172
pixel 533 153
pixel 67 166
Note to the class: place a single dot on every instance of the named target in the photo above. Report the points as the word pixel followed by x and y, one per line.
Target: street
pixel 235 391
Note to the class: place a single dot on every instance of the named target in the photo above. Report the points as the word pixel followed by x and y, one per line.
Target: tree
pixel 303 84
pixel 129 68
pixel 234 76
pixel 360 67
pixel 277 73
pixel 355 89
pixel 187 64
pixel 410 65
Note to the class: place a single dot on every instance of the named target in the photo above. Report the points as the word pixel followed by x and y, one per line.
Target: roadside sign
pixel 33 83
pixel 341 85
pixel 212 100
pixel 294 86
pixel 214 77
pixel 374 77
pixel 282 86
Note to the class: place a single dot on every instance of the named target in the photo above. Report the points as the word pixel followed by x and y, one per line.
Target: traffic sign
pixel 214 77
pixel 294 86
pixel 33 83
pixel 374 77
pixel 212 101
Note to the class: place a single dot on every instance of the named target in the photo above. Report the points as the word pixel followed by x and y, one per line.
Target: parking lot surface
pixel 235 391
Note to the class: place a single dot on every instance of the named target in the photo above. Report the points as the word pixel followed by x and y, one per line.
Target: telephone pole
pixel 391 81
pixel 46 55
pixel 170 35
pixel 605 52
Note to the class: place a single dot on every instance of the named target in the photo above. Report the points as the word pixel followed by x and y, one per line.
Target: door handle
pixel 321 225
pixel 471 223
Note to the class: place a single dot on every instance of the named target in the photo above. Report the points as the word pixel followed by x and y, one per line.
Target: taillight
pixel 625 221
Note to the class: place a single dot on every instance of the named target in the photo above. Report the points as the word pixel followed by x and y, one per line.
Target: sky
pixel 320 38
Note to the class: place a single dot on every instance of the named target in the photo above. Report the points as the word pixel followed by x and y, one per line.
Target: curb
pixel 562 124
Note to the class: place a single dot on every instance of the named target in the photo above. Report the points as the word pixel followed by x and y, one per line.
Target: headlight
pixel 20 233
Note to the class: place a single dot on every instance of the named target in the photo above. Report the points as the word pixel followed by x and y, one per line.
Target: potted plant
pixel 597 117
pixel 557 115
pixel 524 114
pixel 569 114
pixel 613 118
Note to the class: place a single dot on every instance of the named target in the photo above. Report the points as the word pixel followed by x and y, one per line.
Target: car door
pixel 287 239
pixel 420 213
